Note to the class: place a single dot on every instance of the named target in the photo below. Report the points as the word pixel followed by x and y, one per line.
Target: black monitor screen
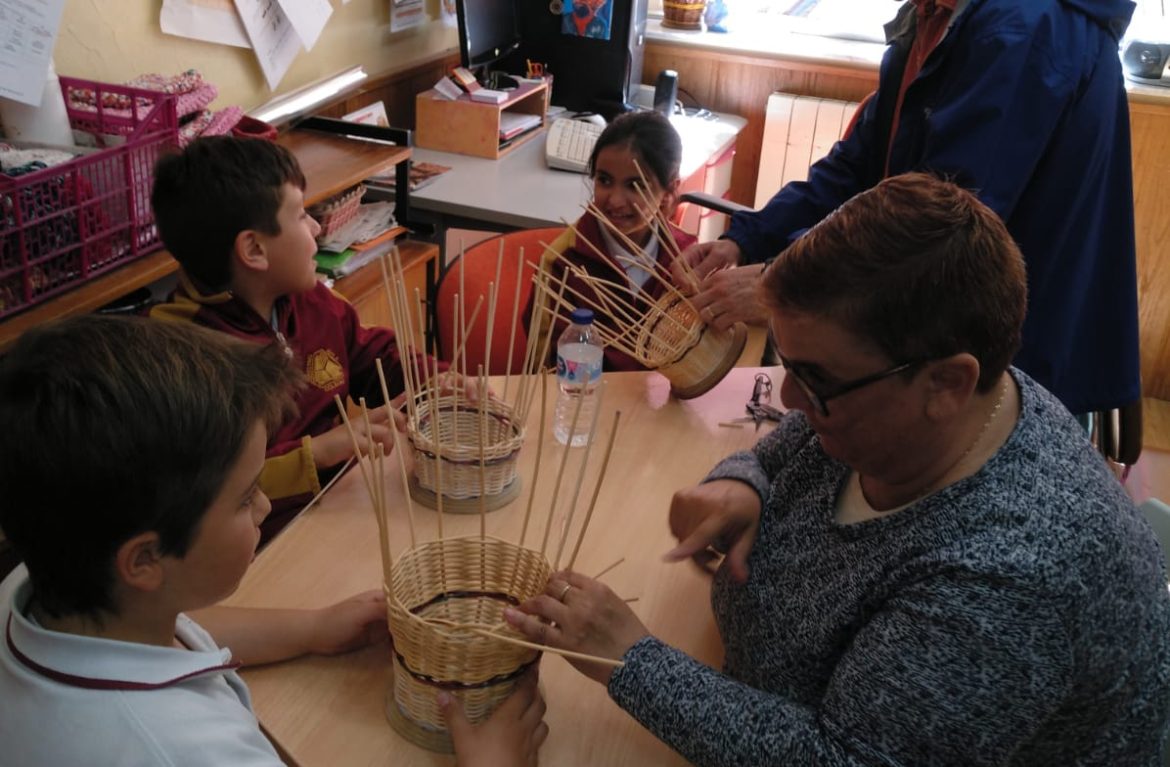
pixel 487 30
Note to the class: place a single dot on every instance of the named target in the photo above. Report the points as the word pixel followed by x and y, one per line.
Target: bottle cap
pixel 582 316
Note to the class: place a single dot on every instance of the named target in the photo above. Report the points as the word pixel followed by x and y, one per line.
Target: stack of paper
pixel 513 124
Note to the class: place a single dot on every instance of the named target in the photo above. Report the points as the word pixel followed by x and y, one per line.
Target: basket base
pixel 438 741
pixel 707 382
pixel 427 498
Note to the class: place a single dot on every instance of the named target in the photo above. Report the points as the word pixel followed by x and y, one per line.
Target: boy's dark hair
pixel 214 189
pixel 651 137
pixel 115 426
pixel 916 265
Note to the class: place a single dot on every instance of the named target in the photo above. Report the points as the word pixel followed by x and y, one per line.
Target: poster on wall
pixel 405 14
pixel 587 18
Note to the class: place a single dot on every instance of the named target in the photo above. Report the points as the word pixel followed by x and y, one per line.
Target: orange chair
pixel 478 268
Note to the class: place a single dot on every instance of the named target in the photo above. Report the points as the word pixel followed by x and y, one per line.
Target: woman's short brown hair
pixel 918 266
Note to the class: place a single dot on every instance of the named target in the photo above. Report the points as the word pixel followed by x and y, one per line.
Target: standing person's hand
pixel 719 517
pixel 732 295
pixel 580 614
pixel 510 737
pixel 700 260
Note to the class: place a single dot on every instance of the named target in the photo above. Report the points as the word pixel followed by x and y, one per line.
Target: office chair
pixel 478 268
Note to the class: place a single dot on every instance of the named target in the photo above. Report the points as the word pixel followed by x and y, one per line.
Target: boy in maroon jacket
pixel 232 213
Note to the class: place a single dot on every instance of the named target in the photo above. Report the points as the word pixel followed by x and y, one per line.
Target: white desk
pixel 519 191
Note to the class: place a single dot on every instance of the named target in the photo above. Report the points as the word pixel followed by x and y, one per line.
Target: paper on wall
pixel 308 18
pixel 213 21
pixel 272 36
pixel 28 32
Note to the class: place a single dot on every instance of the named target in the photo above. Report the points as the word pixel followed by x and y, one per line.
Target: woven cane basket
pixel 439 589
pixel 683 15
pixel 707 354
pixel 459 446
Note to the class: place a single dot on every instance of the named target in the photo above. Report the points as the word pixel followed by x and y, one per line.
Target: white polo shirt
pixel 70 699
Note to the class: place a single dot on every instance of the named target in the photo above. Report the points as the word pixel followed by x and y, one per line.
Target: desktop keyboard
pixel 569 144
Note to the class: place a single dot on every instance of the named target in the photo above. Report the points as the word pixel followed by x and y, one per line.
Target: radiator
pixel 798 131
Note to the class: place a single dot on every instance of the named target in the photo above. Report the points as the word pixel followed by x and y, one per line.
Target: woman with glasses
pixel 926 561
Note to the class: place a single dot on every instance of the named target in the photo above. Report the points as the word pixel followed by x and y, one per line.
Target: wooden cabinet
pixel 471 127
pixel 366 291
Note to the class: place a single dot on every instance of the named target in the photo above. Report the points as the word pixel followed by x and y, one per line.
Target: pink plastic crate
pixel 63 225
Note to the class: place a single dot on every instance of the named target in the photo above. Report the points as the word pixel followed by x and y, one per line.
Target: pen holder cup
pixel 446 595
pixel 474 458
pixel 673 340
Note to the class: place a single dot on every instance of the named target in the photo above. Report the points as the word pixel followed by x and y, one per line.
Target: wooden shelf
pixel 331 165
pixel 471 127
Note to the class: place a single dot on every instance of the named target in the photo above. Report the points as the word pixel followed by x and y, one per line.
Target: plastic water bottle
pixel 579 356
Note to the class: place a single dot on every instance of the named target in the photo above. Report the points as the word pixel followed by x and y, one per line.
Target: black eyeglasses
pixel 819 400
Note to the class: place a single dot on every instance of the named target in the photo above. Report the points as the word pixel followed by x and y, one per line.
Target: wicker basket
pixel 683 14
pixel 707 354
pixel 336 212
pixel 459 450
pixel 439 589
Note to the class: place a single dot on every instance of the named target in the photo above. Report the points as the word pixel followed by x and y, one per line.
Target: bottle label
pixel 581 371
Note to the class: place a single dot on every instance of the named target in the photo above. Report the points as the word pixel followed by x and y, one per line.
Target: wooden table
pixel 328 711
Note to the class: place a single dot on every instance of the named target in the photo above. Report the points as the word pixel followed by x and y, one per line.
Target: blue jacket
pixel 1022 102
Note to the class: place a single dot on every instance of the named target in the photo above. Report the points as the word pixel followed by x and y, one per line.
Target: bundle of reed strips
pixel 443 423
pixel 669 336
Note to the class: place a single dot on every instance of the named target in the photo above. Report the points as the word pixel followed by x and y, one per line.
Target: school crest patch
pixel 324 370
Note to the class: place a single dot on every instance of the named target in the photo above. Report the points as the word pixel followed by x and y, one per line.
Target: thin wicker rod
pixel 454 367
pixel 606 569
pixel 596 490
pixel 483 412
pixel 628 312
pixel 552 506
pixel 580 477
pixel 405 349
pixel 397 448
pixel 539 448
pixel 515 317
pixel 602 309
pixel 553 650
pixel 357 451
pixel 544 350
pixel 616 291
pixel 418 307
pixel 416 358
pixel 493 297
pixel 461 342
pixel 630 600
pixel 532 360
pixel 438 471
pixel 383 515
pixel 659 217
pixel 371 456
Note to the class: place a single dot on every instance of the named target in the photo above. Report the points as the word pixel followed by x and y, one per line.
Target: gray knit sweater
pixel 1017 617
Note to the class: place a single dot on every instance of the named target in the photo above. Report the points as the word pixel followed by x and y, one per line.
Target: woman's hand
pixel 714 518
pixel 582 615
pixel 348 625
pixel 510 737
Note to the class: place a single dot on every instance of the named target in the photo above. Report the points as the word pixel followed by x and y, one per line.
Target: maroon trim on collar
pixel 100 684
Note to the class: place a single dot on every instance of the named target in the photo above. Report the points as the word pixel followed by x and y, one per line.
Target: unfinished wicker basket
pixel 706 353
pixel 440 593
pixel 459 438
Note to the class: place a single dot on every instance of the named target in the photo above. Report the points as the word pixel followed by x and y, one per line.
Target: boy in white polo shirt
pixel 131 457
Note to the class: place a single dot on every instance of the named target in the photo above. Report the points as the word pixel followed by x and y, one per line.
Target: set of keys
pixel 759 407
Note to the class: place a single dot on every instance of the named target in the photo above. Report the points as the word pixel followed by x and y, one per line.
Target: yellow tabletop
pixel 330 711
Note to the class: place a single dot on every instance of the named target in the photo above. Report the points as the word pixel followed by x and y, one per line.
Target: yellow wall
pixel 115 40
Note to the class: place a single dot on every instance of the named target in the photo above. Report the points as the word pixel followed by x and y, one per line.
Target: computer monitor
pixel 488 31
